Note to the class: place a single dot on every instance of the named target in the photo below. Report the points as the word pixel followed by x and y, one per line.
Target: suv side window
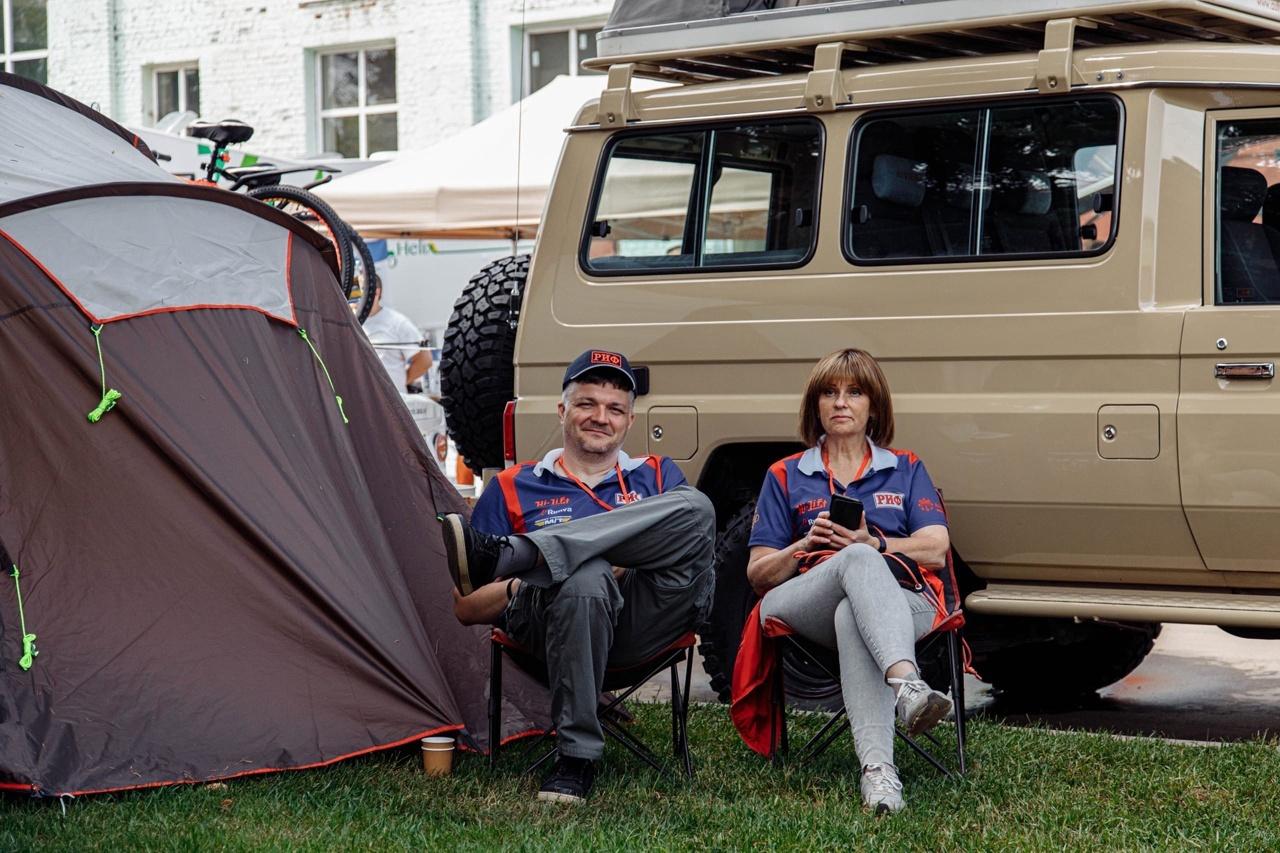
pixel 727 197
pixel 1248 213
pixel 1006 179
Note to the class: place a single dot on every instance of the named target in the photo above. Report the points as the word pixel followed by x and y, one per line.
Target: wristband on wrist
pixel 882 544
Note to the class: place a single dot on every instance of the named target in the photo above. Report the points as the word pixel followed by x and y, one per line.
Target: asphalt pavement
pixel 1199 683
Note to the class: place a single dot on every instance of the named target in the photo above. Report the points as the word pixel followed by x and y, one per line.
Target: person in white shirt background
pixel 395 337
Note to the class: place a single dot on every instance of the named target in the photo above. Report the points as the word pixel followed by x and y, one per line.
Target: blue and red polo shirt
pixel 898 498
pixel 531 495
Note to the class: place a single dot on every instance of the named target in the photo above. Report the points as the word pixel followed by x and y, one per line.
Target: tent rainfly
pixel 216 517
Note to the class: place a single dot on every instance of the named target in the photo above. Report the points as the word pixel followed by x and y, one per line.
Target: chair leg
pixel 778 724
pixel 684 715
pixel 495 703
pixel 957 696
pixel 675 708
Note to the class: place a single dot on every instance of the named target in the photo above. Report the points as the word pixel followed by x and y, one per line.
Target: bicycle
pixel 262 182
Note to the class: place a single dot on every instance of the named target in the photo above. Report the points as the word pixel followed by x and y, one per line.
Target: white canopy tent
pixel 489 181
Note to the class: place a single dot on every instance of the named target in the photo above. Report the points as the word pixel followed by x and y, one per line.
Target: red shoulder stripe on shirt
pixel 779 471
pixel 507 482
pixel 656 462
pixel 907 454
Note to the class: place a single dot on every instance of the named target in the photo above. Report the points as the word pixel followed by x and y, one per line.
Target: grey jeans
pixel 582 618
pixel 853 604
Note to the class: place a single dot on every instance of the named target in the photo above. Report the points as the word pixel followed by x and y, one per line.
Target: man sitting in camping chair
pixel 629 575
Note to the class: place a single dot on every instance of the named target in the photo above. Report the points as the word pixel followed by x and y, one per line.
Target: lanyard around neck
pixel 622 484
pixel 831 478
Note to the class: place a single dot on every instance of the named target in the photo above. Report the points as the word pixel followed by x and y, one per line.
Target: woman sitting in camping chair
pixel 862 583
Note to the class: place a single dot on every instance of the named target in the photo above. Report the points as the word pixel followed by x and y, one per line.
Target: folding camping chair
pixel 827 662
pixel 627 679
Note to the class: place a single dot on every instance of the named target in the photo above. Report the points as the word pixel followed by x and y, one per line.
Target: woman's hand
pixel 826 535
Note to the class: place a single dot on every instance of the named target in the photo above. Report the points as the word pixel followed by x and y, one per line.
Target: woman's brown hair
pixel 856 367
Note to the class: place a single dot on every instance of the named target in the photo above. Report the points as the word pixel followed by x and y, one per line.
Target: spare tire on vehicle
pixel 477 373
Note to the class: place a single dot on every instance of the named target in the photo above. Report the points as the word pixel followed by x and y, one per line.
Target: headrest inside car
pixel 1025 193
pixel 899 180
pixel 1241 193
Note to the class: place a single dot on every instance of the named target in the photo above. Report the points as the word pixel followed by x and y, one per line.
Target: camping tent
pixel 487 181
pixel 216 515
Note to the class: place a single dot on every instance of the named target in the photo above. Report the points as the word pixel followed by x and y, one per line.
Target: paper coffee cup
pixel 437 755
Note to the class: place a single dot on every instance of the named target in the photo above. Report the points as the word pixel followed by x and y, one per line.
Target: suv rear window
pixel 1013 179
pixel 728 197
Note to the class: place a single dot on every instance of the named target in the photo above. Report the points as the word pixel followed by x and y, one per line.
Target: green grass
pixel 1027 789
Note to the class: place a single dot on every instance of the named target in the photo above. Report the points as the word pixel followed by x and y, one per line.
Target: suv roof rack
pixel 879 32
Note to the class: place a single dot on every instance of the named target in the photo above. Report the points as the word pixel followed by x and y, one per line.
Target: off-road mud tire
pixel 477 374
pixel 1046 662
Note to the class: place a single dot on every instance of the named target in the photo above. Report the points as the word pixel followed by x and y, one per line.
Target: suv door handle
pixel 1246 370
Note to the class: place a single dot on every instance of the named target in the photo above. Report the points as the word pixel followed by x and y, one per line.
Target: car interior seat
pixel 1247 269
pixel 888 193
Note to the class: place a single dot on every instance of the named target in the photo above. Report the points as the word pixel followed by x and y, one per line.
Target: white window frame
pixel 570 31
pixel 361 110
pixel 182 68
pixel 9 55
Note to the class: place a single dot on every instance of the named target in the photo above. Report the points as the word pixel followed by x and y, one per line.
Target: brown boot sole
pixel 455 549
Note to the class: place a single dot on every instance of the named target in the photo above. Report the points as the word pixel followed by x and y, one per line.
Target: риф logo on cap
pixel 610 358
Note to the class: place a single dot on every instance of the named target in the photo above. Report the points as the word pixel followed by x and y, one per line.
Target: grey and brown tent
pixel 217 519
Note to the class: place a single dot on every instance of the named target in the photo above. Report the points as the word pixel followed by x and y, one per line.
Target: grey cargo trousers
pixel 582 618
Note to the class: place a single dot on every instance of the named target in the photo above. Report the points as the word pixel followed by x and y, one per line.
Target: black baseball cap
pixel 594 359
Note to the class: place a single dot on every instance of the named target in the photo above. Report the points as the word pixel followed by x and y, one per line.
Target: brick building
pixel 313 76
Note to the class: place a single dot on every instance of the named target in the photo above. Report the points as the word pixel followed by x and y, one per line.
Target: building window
pixel 358 101
pixel 175 89
pixel 26 38
pixel 551 53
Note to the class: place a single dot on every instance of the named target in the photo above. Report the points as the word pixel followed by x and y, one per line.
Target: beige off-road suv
pixel 1057 226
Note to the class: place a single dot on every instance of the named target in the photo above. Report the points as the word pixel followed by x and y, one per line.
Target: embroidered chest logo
pixel 546 502
pixel 888 500
pixel 626 497
pixel 815 505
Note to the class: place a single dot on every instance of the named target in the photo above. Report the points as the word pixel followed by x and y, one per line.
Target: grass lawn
pixel 1026 789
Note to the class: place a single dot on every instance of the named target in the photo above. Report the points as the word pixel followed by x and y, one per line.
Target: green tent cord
pixel 341 411
pixel 109 395
pixel 28 640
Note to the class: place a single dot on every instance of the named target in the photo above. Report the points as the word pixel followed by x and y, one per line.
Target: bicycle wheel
pixel 316 212
pixel 362 295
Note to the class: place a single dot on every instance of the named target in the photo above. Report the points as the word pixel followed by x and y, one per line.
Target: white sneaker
pixel 881 790
pixel 920 707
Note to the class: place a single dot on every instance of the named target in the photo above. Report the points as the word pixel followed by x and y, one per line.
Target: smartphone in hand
pixel 846 511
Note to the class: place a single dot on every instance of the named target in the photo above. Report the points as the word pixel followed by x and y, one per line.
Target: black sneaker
pixel 569 781
pixel 473 556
